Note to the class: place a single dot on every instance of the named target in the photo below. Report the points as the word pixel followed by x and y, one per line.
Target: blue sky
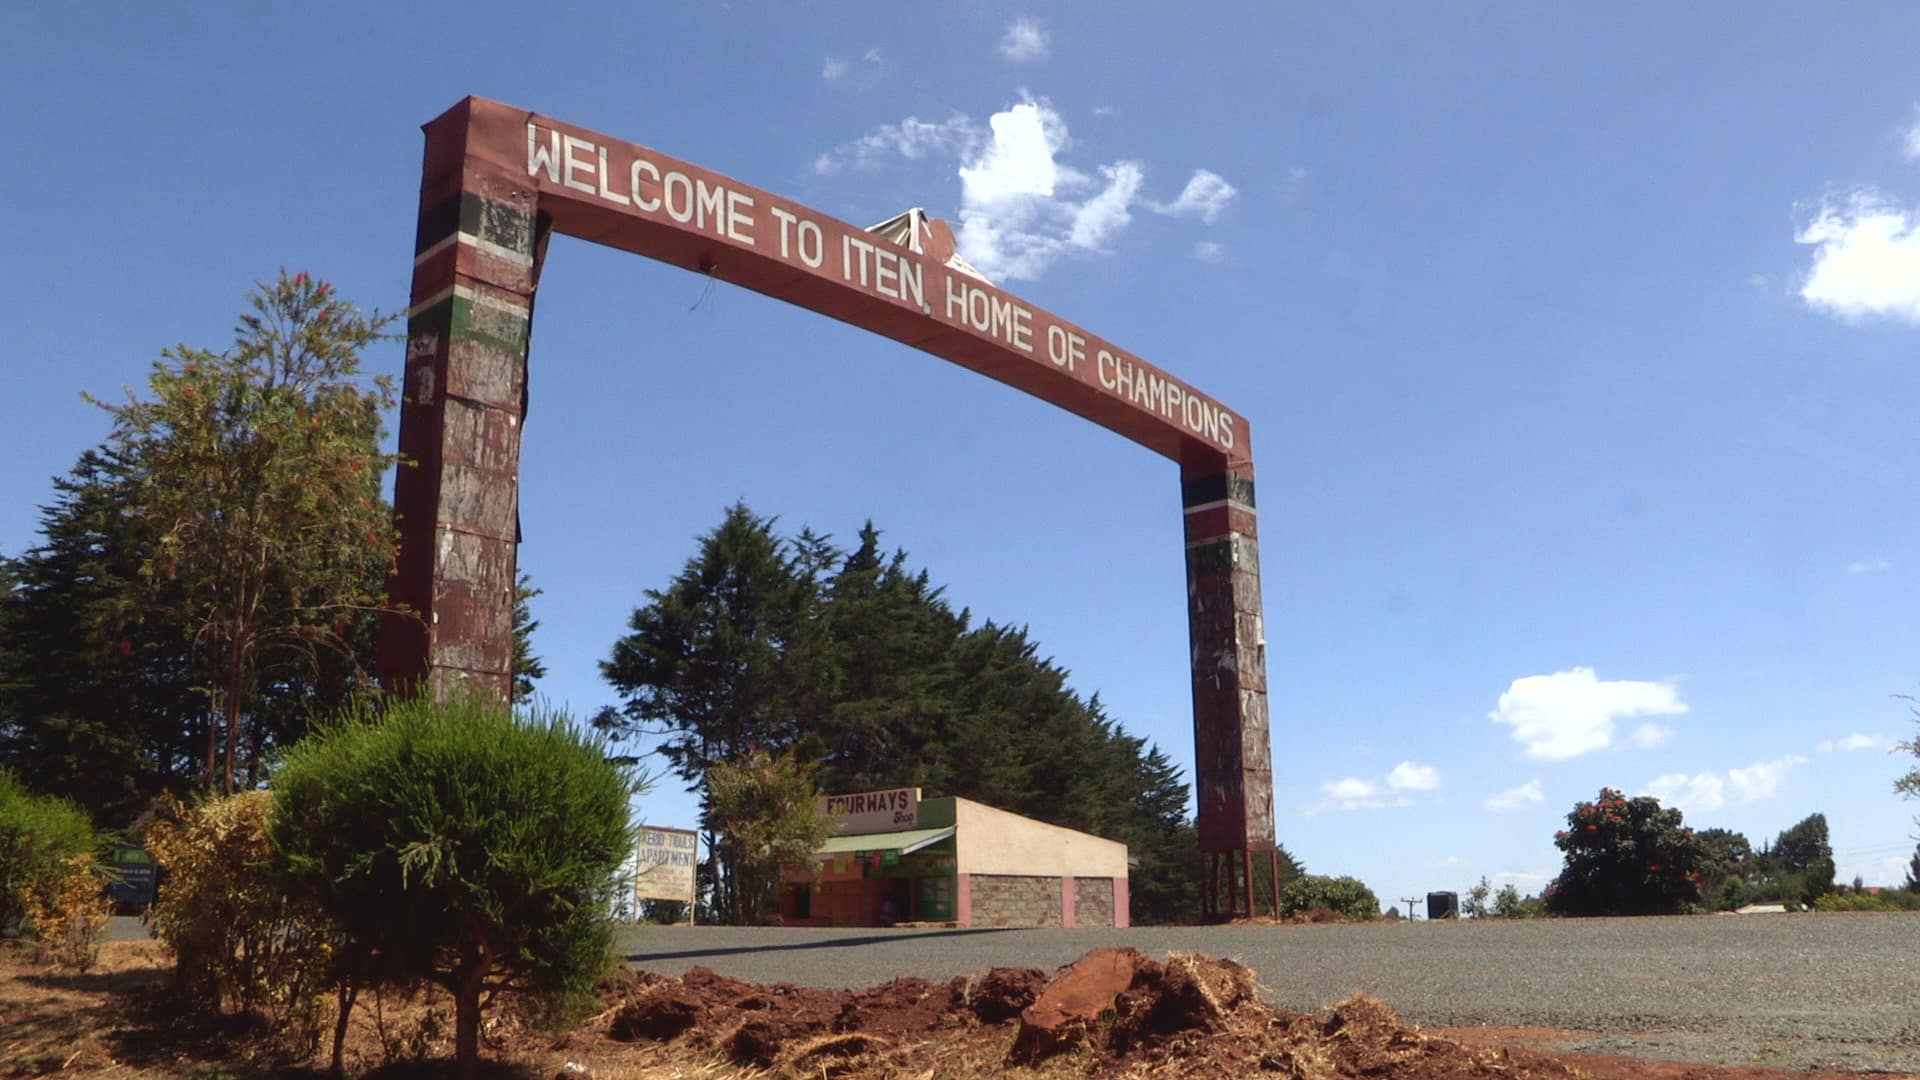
pixel 1578 351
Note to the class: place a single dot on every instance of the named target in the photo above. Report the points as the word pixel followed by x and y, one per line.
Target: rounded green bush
pixel 456 843
pixel 1344 895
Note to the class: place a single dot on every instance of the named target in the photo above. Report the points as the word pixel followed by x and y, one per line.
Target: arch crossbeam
pixel 497 181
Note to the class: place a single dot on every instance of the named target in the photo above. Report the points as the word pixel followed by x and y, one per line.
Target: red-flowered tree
pixel 1626 857
pixel 256 477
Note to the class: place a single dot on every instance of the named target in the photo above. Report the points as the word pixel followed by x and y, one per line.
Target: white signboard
pixel 872 811
pixel 664 870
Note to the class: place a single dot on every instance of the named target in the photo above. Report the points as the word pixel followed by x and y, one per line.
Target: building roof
pixel 906 842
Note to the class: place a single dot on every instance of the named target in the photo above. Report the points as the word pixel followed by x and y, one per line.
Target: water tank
pixel 1443 905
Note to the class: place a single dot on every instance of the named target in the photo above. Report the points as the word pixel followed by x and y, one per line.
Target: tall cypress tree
pixel 723 662
pixel 96 703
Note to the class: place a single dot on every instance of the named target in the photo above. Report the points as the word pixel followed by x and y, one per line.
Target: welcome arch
pixel 498 181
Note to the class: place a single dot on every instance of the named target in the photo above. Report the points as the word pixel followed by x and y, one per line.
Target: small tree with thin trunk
pixel 766 811
pixel 458 844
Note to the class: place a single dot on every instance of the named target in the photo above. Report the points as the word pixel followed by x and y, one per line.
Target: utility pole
pixel 1412 902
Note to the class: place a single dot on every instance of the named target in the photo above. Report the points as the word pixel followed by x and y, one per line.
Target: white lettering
pixel 682 213
pixel 956 299
pixel 1101 364
pixel 848 245
pixel 543 155
pixel 739 222
pixel 712 200
pixel 980 314
pixel 611 196
pixel 912 284
pixel 886 273
pixel 786 221
pixel 818 253
pixel 643 167
pixel 1157 394
pixel 568 145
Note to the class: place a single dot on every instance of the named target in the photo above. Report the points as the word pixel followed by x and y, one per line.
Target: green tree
pixel 1477 904
pixel 1800 860
pixel 765 811
pixel 94 706
pixel 1626 857
pixel 456 843
pixel 1728 855
pixel 1913 871
pixel 255 473
pixel 527 668
pixel 1509 904
pixel 1347 896
pixel 724 661
pixel 1907 785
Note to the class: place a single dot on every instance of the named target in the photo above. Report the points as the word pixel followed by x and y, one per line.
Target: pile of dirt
pixel 807 1029
pixel 1113 1012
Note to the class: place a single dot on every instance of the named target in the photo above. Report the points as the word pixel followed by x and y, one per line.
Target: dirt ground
pixel 1180 1016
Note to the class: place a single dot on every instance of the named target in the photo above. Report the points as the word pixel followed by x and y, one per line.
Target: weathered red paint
pixel 496 179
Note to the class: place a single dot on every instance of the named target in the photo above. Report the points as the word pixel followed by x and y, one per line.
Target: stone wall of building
pixel 1018 900
pixel 1093 901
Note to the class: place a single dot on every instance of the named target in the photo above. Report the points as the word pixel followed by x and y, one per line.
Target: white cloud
pixel 1570 713
pixel 912 138
pixel 1855 741
pixel 1911 140
pixel 1705 791
pixel 833 69
pixel 1209 252
pixel 1866 260
pixel 1361 793
pixel 1356 793
pixel 1205 197
pixel 1351 787
pixel 1022 206
pixel 1867 566
pixel 1105 215
pixel 1516 798
pixel 1650 736
pixel 1762 778
pixel 1025 40
pixel 1410 776
pixel 1709 791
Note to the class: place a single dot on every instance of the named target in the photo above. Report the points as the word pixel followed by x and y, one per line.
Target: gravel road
pixel 1791 990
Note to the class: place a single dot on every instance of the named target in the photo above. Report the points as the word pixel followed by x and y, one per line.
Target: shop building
pixel 896 858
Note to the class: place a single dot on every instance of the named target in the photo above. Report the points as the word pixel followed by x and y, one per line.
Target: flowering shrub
pixel 1626 857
